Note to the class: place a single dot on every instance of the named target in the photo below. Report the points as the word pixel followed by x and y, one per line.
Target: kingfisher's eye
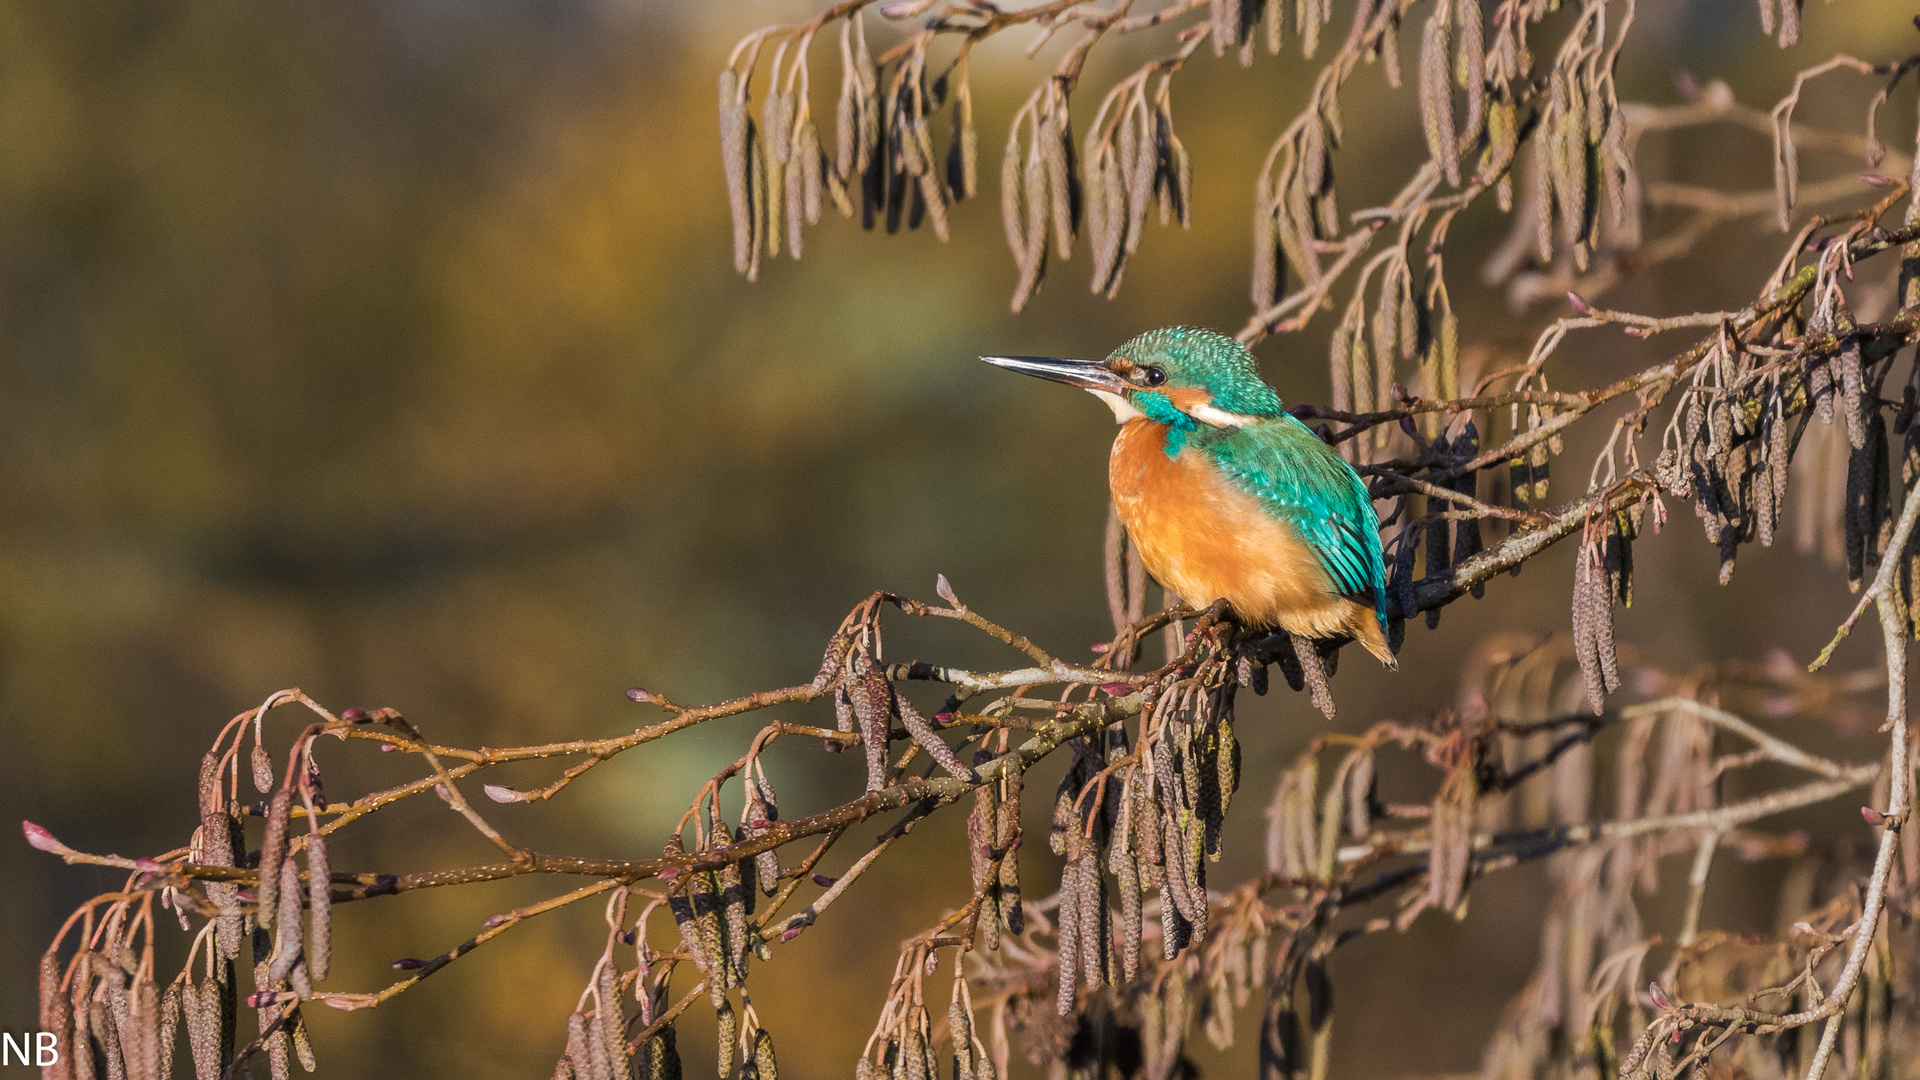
pixel 1153 376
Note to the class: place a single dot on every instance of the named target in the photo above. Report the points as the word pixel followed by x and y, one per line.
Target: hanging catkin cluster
pixel 864 698
pixel 1132 160
pixel 882 162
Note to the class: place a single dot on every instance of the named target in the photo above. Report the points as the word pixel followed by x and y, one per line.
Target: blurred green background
pixel 393 351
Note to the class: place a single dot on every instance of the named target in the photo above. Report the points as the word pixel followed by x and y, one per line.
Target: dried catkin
pixel 610 1022
pixel 735 898
pixel 320 906
pixel 1471 69
pixel 1126 872
pixel 733 161
pixel 1268 272
pixel 1540 171
pixel 589 1060
pixel 723 1015
pixel 288 930
pixel 761 812
pixel 1436 92
pixel 273 851
pixel 303 1043
pixel 202 1012
pixel 1593 626
pixel 262 764
pixel 872 698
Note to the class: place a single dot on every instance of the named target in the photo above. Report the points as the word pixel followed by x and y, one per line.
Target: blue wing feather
pixel 1304 483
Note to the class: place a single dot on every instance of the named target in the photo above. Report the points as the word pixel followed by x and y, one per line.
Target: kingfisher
pixel 1226 495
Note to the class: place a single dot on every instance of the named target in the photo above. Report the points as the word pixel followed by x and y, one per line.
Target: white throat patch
pixel 1123 410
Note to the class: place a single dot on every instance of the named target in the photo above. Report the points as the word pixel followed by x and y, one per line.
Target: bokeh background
pixel 393 351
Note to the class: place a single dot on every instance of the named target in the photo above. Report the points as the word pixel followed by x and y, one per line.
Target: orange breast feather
pixel 1205 539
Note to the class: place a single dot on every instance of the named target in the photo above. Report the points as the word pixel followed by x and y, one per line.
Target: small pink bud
pixel 492 921
pixel 668 873
pixel 147 866
pixel 441 790
pixel 790 933
pixel 41 838
pixel 1579 303
pixel 408 963
pixel 759 823
pixel 1875 180
pixel 1874 817
pixel 639 694
pixel 822 880
pixel 357 716
pixel 1100 648
pixel 1659 997
pixel 260 999
pixel 945 588
pixel 1117 689
pixel 501 794
pixel 945 716
pixel 1400 392
pixel 895 11
pixel 388 748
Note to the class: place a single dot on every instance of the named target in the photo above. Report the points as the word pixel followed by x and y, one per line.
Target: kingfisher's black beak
pixel 1085 374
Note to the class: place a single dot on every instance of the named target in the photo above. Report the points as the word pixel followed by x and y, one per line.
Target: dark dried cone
pixel 1910 571
pixel 1466 532
pixel 226 996
pixel 1619 559
pixel 763 1061
pixel 1439 560
pixel 1289 662
pixel 660 1057
pixel 1868 521
pixel 1400 573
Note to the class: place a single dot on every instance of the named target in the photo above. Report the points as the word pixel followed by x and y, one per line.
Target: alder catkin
pixel 273 851
pixel 733 161
pixel 1436 93
pixel 320 906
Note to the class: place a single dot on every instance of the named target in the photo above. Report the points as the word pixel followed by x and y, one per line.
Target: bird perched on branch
pixel 1228 496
